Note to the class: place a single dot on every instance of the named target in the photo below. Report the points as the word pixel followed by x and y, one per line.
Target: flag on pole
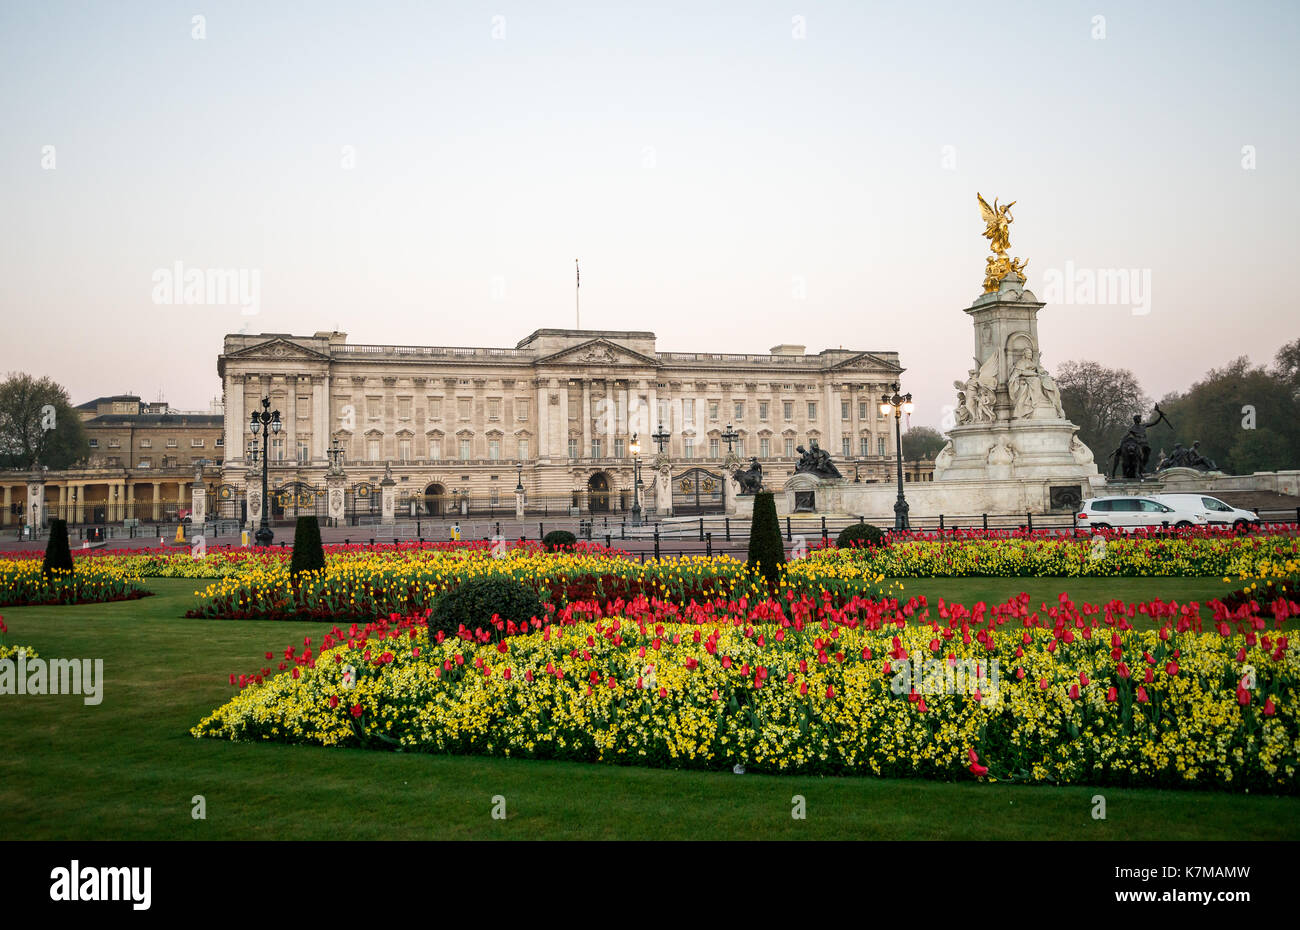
pixel 577 273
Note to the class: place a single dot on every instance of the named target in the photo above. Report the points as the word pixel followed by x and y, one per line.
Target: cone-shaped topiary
pixel 766 550
pixel 308 555
pixel 57 554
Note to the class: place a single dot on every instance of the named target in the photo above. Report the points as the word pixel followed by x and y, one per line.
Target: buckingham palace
pixel 563 414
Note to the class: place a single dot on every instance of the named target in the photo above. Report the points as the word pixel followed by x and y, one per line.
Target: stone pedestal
pixel 519 506
pixel 663 493
pixel 253 485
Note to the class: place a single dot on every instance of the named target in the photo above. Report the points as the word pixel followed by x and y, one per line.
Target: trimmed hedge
pixel 858 535
pixel 557 540
pixel 766 549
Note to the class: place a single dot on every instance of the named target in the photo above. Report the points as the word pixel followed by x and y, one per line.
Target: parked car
pixel 1215 511
pixel 1130 513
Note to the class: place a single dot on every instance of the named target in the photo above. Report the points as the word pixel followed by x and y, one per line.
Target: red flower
pixel 975 768
pixel 1269 709
pixel 1112 695
pixel 334 700
pixel 1141 695
pixel 356 710
pixel 1172 668
pixel 1074 692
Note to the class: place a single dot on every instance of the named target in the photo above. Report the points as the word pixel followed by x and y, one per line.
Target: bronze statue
pixel 815 461
pixel 750 479
pixel 1134 451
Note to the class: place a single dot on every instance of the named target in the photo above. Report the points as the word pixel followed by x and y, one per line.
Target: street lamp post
pixel 270 419
pixel 898 404
pixel 636 480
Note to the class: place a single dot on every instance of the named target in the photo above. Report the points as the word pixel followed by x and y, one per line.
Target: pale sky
pixel 726 183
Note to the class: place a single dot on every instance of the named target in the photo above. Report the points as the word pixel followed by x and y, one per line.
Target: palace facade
pixel 457 428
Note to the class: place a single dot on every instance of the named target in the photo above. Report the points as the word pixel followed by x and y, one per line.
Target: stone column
pixel 64 499
pixel 832 414
pixel 388 501
pixel 235 418
pixel 318 428
pixel 562 447
pixel 855 444
pixel 652 416
pixel 157 501
pixel 130 502
pixel 336 486
pixel 36 496
pixel 198 505
pixel 542 425
pixel 585 414
pixel 9 502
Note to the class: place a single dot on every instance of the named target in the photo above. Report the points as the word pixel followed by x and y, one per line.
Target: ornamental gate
pixel 298 499
pixel 697 491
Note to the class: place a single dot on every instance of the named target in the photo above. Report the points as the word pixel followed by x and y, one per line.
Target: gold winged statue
pixel 997 229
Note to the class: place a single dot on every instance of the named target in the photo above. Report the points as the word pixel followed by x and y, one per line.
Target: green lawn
pixel 128 768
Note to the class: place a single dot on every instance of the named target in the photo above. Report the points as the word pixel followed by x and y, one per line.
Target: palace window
pixel 762 410
pixel 465 449
pixel 862 410
pixel 404 449
pixel 595 448
pixel 196 443
pixel 618 448
pixel 573 448
pixel 713 410
pixel 765 448
pixel 435 449
pixel 494 449
pixel 812 410
pixel 494 408
pixel 688 409
pixel 462 408
pixel 789 448
pixel 844 410
pixel 372 450
pixel 144 444
pixel 864 446
pixel 846 447
pixel 404 408
pixel 171 443
pixel 435 408
pixel 881 444
pixel 521 408
pixel 688 447
pixel 304 454
pixel 740 411
pixel 523 449
pixel 787 409
pixel 145 462
pixel 715 448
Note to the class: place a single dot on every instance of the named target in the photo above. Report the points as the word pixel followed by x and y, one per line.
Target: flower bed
pixel 1070 695
pixel 1189 554
pixel 23 583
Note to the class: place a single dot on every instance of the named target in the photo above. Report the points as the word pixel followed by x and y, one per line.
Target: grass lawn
pixel 128 768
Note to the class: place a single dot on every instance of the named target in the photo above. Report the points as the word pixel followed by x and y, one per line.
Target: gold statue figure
pixel 997 229
pixel 997 223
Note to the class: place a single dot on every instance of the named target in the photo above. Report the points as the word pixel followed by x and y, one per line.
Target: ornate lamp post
pixel 335 454
pixel 661 438
pixel 899 404
pixel 271 420
pixel 519 481
pixel 636 480
pixel 729 436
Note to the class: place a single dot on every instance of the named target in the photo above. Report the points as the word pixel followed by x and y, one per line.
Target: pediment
pixel 277 348
pixel 598 351
pixel 865 361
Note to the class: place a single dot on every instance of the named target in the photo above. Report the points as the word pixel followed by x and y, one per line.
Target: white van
pixel 1216 511
pixel 1130 513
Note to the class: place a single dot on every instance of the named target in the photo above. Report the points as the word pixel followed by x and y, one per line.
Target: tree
pixel 1100 401
pixel 922 442
pixel 1230 402
pixel 1287 364
pixel 766 550
pixel 31 433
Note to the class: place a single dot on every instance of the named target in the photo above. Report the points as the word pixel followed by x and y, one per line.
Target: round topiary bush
pixel 475 600
pixel 556 540
pixel 857 535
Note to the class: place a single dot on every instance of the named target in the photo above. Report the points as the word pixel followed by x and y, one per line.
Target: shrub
pixel 556 540
pixel 308 555
pixel 476 599
pixel 766 550
pixel 857 535
pixel 57 554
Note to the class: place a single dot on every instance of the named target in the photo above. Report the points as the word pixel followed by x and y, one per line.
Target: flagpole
pixel 577 284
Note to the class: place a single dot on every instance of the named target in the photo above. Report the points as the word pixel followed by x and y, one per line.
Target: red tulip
pixel 356 710
pixel 1112 695
pixel 334 700
pixel 1269 709
pixel 1141 694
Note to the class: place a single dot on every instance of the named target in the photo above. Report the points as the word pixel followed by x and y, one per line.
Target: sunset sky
pixel 731 175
